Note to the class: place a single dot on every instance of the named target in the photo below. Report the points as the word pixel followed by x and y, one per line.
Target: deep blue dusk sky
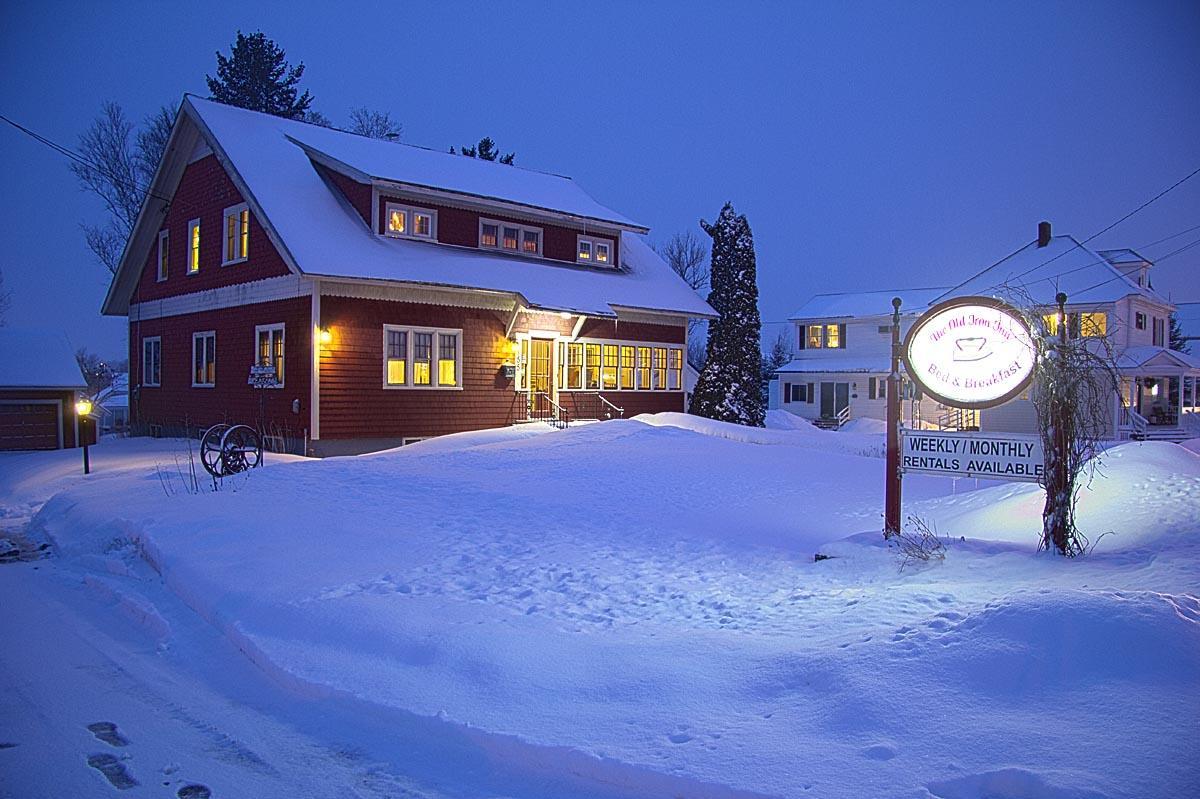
pixel 870 145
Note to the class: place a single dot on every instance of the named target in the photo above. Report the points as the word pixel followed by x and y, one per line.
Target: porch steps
pixel 1175 434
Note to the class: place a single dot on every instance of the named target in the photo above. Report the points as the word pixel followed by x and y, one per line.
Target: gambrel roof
pixel 317 232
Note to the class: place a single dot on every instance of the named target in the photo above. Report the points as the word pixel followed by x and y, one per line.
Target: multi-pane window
pixel 1089 324
pixel 510 236
pixel 163 239
pixel 236 246
pixel 828 336
pixel 608 367
pixel 1139 319
pixel 204 359
pixel 832 337
pixel 268 343
pixel 643 367
pixel 592 368
pixel 674 368
pixel 1159 332
pixel 152 361
pixel 574 365
pixel 591 250
pixel 658 370
pixel 193 264
pixel 814 337
pixel 628 362
pixel 421 358
pixel 408 222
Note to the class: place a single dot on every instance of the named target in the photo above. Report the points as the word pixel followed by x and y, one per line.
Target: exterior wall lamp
pixel 325 336
pixel 509 366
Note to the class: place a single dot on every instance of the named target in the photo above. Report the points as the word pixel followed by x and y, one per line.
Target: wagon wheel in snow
pixel 210 449
pixel 241 449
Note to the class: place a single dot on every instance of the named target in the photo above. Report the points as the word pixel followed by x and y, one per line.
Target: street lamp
pixel 83 411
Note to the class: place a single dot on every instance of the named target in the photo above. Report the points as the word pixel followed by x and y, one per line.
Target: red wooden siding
pixel 357 194
pixel 633 331
pixel 204 192
pixel 13 399
pixel 461 227
pixel 176 403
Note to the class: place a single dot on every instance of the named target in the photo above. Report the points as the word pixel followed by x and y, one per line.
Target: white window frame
pixel 239 244
pixel 560 372
pixel 593 244
pixel 157 341
pixel 410 340
pixel 271 328
pixel 164 252
pixel 208 356
pixel 409 211
pixel 195 239
pixel 521 230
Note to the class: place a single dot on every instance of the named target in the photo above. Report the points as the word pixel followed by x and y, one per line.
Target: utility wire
pixel 1053 278
pixel 1119 276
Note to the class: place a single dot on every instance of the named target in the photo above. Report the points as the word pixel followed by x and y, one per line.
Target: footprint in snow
pixel 679 737
pixel 194 791
pixel 107 731
pixel 113 771
pixel 880 752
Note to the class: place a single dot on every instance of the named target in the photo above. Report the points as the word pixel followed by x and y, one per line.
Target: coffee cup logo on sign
pixel 971 352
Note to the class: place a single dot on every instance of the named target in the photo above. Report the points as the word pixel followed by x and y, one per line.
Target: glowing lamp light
pixel 564 314
pixel 325 336
pixel 83 407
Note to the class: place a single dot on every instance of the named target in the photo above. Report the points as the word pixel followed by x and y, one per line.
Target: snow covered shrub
pixel 918 541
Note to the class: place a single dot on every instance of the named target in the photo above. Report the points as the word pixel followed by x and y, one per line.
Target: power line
pixel 1119 276
pixel 1052 278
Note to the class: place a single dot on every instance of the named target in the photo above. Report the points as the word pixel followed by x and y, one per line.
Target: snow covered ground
pixel 629 608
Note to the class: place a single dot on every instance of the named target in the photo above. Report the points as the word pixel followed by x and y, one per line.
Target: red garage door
pixel 28 425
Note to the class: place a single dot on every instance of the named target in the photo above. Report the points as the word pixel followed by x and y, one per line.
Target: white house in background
pixel 843 343
pixel 112 405
pixel 1188 315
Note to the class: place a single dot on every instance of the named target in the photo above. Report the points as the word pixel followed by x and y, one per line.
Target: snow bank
pixel 779 432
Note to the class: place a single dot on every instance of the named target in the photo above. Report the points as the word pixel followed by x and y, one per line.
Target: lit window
pixel 675 368
pixel 531 241
pixel 643 367
pixel 585 250
pixel 397 357
pixel 237 234
pixel 447 359
pixel 659 375
pixel 405 221
pixel 204 359
pixel 1093 324
pixel 832 339
pixel 269 343
pixel 601 253
pixel 489 234
pixel 510 238
pixel 152 361
pixel 592 366
pixel 162 255
pixel 814 337
pixel 627 366
pixel 193 266
pixel 591 249
pixel 574 365
pixel 608 372
pixel 422 359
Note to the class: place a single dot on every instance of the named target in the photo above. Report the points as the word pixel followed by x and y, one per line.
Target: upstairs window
pixel 152 361
pixel 510 237
pixel 1159 332
pixel 833 337
pixel 591 250
pixel 814 338
pixel 236 246
pixel 1139 319
pixel 404 221
pixel 162 255
pixel 1089 324
pixel 204 359
pixel 193 264
pixel 268 342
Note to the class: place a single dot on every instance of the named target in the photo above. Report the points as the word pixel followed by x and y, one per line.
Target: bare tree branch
pixel 376 124
pixel 685 253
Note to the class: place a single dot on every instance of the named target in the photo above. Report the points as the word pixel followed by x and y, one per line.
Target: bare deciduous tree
pixel 688 256
pixel 376 124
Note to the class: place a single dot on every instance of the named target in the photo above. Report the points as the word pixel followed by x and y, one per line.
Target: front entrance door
pixel 540 372
pixel 835 398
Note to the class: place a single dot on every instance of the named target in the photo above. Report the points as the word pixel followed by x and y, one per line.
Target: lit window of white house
pixel 509 236
pixel 152 361
pixel 268 348
pixel 236 245
pixel 592 250
pixel 162 255
pixel 421 357
pixel 204 359
pixel 405 221
pixel 193 264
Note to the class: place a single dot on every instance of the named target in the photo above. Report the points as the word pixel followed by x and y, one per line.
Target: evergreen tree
pixel 729 386
pixel 256 75
pixel 487 150
pixel 1177 341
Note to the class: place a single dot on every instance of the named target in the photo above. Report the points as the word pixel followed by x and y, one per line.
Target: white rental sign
pixel 996 456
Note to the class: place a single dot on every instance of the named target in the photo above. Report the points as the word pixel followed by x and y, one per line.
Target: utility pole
pixel 891 511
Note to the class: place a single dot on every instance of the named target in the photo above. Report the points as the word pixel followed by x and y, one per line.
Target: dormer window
pixel 404 221
pixel 237 234
pixel 593 251
pixel 510 237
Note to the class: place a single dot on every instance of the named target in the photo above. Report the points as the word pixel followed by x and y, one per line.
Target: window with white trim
pixel 163 241
pixel 193 263
pixel 268 347
pixel 510 237
pixel 236 245
pixel 416 357
pixel 204 359
pixel 591 365
pixel 406 221
pixel 590 250
pixel 152 361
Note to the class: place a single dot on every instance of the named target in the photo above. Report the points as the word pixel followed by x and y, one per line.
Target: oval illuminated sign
pixel 970 352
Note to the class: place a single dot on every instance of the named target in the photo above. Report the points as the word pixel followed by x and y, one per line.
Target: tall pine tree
pixel 729 385
pixel 256 75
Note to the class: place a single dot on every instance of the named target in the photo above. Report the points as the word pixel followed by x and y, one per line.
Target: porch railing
pixel 1132 424
pixel 542 408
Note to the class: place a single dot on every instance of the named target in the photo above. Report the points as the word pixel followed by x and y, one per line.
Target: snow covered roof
pixel 1123 256
pixel 847 305
pixel 319 233
pixel 37 359
pixel 1153 357
pixel 810 365
pixel 1062 265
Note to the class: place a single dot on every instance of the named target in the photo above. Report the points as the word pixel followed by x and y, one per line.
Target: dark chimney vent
pixel 1043 233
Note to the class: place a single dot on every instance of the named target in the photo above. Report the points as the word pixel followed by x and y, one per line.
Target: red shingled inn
pixel 398 292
